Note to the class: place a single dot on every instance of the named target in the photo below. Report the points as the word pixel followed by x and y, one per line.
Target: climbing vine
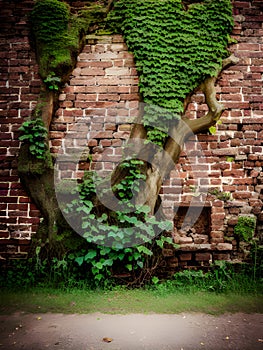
pixel 175 50
pixel 130 238
pixel 34 134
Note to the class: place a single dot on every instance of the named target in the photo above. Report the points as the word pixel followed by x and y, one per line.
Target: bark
pixel 37 175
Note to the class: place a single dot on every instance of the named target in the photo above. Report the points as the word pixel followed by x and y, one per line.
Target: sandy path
pixel 131 332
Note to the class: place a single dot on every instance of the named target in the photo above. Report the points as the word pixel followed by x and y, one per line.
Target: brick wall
pixel 19 89
pixel 103 89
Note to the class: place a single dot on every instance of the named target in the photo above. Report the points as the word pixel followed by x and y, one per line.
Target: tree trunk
pixel 37 175
pixel 158 163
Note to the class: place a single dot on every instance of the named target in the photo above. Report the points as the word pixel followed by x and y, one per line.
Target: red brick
pixel 86 97
pixel 108 97
pixel 103 135
pixel 218 216
pixel 92 143
pixel 185 256
pixel 168 252
pixel 248 46
pixel 92 71
pixel 24 200
pixel 20 207
pixel 216 234
pixel 221 256
pixel 56 135
pixel 129 97
pixel 203 256
pixel 241 195
pixel 34 213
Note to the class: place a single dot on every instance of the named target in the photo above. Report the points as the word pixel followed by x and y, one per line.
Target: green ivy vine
pixel 34 133
pixel 112 235
pixel 175 49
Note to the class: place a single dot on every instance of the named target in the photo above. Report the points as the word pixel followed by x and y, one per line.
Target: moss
pixel 59 35
pixel 28 164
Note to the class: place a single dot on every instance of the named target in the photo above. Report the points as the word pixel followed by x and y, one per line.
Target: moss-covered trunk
pixel 58 36
pixel 37 177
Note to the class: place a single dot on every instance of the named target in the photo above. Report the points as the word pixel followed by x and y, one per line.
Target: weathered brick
pixel 241 195
pixel 92 71
pixel 117 71
pixel 224 246
pixel 108 97
pixel 248 46
pixel 221 256
pixel 167 252
pixel 85 97
pixel 185 257
pixel 203 257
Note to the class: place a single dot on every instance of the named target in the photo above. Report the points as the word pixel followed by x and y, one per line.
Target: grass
pixel 224 289
pixel 123 301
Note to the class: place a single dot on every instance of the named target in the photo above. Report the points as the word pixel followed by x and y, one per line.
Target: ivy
pixel 34 133
pixel 52 82
pixel 126 236
pixel 175 50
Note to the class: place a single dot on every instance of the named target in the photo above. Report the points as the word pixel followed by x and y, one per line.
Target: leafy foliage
pixel 221 195
pixel 174 49
pixel 52 82
pixel 223 277
pixel 114 236
pixel 49 23
pixel 245 228
pixel 249 243
pixel 34 133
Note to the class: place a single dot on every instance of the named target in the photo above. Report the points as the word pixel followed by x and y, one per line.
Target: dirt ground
pixel 131 332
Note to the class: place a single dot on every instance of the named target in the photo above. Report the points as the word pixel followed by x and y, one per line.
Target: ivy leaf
pixel 212 130
pixel 98 277
pixel 140 264
pixel 79 260
pixel 91 255
pixel 108 262
pixel 175 49
pixel 143 249
pixel 128 267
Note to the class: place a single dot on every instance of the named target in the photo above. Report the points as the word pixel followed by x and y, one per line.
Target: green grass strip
pixel 123 301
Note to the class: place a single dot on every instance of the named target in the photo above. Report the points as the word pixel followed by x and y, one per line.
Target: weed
pixel 248 242
pixel 223 196
pixel 245 228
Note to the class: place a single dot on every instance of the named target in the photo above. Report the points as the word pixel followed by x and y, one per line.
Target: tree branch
pixel 215 108
pixel 229 61
pixel 172 148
